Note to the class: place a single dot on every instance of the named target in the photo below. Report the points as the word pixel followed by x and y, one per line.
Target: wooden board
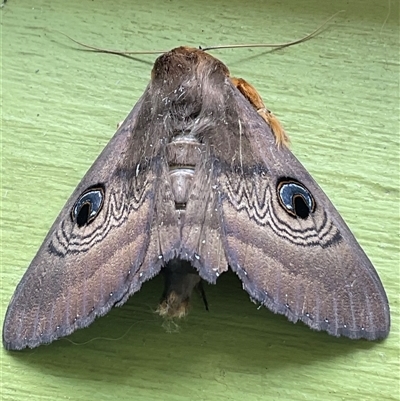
pixel 338 98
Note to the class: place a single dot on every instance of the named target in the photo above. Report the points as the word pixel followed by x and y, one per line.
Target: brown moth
pixel 197 178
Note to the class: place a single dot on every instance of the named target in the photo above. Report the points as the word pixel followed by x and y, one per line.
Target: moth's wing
pixel 309 268
pixel 80 272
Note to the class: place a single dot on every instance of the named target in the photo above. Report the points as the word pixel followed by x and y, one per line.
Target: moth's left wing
pixel 92 255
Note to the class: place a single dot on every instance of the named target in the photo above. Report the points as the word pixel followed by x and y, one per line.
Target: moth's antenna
pixel 110 51
pixel 273 45
pixel 276 45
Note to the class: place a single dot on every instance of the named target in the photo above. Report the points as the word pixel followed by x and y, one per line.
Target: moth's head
pixel 187 85
pixel 185 62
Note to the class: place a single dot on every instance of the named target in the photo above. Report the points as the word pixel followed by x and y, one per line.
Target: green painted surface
pixel 337 96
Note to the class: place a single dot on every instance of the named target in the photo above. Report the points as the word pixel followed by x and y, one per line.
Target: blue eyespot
pixel 295 198
pixel 88 205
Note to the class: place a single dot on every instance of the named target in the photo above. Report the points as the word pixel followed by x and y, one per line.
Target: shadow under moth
pixel 198 178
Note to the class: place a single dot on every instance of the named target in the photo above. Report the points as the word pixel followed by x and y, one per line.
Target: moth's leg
pixel 251 94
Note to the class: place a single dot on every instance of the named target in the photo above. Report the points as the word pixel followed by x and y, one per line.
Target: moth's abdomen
pixel 180 281
pixel 183 155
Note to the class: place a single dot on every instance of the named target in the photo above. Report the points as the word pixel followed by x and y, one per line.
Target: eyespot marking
pixel 88 205
pixel 295 198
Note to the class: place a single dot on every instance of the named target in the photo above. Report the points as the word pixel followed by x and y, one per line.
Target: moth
pixel 198 178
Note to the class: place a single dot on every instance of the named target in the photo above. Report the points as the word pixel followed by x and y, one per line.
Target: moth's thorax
pixel 183 154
